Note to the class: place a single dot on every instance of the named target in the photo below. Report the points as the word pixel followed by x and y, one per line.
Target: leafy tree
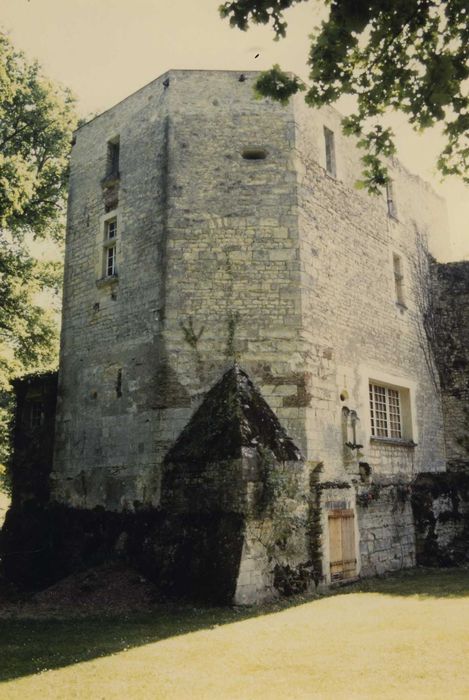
pixel 36 123
pixel 406 55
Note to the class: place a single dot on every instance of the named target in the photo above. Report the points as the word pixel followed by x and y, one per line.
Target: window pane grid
pixel 111 261
pixel 394 413
pixel 109 248
pixel 111 229
pixel 385 412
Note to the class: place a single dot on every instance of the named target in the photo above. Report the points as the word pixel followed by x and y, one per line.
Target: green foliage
pixel 391 55
pixel 242 12
pixel 278 85
pixel 37 119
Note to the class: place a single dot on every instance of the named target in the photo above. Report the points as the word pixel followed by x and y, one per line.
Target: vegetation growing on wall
pixel 440 505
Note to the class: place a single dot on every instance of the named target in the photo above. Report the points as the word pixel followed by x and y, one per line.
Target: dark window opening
pixel 398 280
pixel 254 154
pixel 119 384
pixel 329 143
pixel 36 414
pixel 112 168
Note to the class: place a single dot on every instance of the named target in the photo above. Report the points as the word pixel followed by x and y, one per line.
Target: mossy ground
pixel 404 636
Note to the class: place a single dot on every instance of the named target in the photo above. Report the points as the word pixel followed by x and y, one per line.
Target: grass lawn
pixel 401 637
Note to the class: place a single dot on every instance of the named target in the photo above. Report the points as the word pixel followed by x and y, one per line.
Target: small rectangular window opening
pixel 398 279
pixel 112 167
pixel 330 152
pixel 391 199
pixel 110 236
pixel 111 262
pixel 35 416
pixel 111 229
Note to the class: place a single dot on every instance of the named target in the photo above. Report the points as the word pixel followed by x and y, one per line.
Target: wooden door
pixel 343 562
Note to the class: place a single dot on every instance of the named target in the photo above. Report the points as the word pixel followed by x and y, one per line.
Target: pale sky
pixel 106 49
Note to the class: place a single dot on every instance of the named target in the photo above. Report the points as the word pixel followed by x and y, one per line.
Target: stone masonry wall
pixel 111 344
pixel 207 261
pixel 385 522
pixel 349 305
pixel 267 261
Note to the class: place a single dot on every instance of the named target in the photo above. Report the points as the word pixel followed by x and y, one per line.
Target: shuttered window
pixel 343 562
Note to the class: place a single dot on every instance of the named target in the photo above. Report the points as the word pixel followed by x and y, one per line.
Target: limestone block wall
pixel 232 243
pixel 111 345
pixel 207 259
pixel 232 239
pixel 385 522
pixel 278 554
pixel 349 305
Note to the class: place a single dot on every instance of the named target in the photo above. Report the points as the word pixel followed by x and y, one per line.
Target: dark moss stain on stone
pixel 233 415
pixel 302 397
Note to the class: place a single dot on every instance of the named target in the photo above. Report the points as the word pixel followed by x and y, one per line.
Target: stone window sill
pixel 107 281
pixel 392 441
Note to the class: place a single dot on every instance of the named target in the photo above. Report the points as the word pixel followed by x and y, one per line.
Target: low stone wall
pixel 385 522
pixel 440 504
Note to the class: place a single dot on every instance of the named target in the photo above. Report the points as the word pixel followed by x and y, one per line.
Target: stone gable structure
pixel 209 230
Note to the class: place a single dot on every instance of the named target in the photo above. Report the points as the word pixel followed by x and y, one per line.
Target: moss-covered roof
pixel 232 415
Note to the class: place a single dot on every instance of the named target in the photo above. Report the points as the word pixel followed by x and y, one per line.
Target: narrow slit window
pixel 329 142
pixel 111 262
pixel 113 149
pixel 398 279
pixel 391 199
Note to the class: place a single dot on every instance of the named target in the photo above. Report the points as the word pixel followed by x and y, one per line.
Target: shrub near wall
pixel 440 504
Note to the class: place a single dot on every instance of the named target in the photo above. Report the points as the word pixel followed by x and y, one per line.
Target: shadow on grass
pixel 28 646
pixel 425 583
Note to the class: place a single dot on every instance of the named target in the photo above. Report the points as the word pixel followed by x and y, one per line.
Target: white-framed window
pixel 329 144
pixel 391 199
pixel 110 240
pixel 385 412
pixel 398 279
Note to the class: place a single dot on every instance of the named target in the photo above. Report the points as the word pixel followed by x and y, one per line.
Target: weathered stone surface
pixel 232 415
pixel 281 269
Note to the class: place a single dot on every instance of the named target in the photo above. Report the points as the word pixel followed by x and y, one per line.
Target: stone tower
pixel 205 228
